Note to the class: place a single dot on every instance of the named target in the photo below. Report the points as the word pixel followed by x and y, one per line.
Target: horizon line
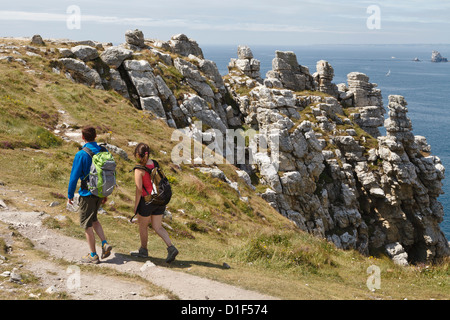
pixel 254 44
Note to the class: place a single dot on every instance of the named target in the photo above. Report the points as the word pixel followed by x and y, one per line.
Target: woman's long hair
pixel 142 153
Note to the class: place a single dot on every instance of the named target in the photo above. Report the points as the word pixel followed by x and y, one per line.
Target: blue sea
pixel 425 85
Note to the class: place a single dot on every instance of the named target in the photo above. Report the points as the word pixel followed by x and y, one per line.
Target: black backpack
pixel 161 191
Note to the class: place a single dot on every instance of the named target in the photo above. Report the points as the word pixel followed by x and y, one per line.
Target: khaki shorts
pixel 88 210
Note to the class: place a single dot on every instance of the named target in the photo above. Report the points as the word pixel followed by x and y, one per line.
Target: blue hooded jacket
pixel 80 169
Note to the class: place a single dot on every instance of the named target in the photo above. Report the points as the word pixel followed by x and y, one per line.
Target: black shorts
pixel 146 210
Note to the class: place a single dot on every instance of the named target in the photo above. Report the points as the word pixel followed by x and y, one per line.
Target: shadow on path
pixel 120 258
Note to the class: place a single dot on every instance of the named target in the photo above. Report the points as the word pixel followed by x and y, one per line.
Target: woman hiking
pixel 148 212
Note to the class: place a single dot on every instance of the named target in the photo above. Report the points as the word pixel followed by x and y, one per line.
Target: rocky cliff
pixel 338 177
pixel 335 176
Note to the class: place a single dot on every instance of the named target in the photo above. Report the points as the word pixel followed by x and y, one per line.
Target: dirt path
pixel 97 286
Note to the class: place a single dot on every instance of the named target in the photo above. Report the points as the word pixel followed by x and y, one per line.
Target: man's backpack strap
pixel 91 153
pixel 84 183
pixel 88 151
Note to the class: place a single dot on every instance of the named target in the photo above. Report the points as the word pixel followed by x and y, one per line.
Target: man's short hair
pixel 89 133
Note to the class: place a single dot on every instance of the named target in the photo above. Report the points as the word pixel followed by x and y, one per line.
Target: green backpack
pixel 102 174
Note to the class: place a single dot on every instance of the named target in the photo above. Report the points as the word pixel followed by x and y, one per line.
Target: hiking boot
pixel 141 253
pixel 106 250
pixel 172 252
pixel 90 259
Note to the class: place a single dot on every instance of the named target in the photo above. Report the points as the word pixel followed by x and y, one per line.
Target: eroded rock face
pixel 287 73
pixel 85 53
pixel 367 98
pixel 336 182
pixel 412 182
pixel 246 63
pixel 184 46
pixel 82 72
pixel 324 77
pixel 135 38
pixel 114 56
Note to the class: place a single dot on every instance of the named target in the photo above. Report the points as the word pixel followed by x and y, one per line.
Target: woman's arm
pixel 138 175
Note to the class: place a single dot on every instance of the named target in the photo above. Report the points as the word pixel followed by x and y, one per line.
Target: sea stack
pixel 437 57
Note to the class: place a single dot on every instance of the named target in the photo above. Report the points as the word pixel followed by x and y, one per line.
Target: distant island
pixel 437 57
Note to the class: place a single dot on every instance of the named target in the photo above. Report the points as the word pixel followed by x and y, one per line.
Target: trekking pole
pixel 131 220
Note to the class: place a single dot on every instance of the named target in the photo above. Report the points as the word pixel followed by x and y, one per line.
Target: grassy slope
pixel 265 252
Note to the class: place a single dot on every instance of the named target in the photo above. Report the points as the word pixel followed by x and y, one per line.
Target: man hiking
pixel 88 203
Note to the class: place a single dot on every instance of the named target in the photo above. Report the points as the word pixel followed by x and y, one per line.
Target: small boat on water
pixel 389 73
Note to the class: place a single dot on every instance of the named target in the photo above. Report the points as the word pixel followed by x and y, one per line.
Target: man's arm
pixel 75 174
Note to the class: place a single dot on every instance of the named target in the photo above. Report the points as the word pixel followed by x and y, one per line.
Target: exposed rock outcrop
pixel 246 64
pixel 202 85
pixel 114 56
pixel 82 73
pixel 143 79
pixel 412 183
pixel 324 77
pixel 287 73
pixel 37 39
pixel 135 38
pixel 368 100
pixel 85 53
pixel 343 184
pixel 184 46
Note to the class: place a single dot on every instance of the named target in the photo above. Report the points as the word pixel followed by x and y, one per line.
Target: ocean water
pixel 425 85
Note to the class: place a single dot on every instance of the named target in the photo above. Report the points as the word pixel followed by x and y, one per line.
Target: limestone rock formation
pixel 365 93
pixel 324 77
pixel 118 84
pixel 195 106
pixel 114 56
pixel 184 46
pixel 144 81
pixel 85 53
pixel 331 180
pixel 199 79
pixel 411 181
pixel 135 38
pixel 246 63
pixel 367 98
pixel 287 73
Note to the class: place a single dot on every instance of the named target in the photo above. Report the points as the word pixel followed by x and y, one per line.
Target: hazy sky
pixel 270 22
